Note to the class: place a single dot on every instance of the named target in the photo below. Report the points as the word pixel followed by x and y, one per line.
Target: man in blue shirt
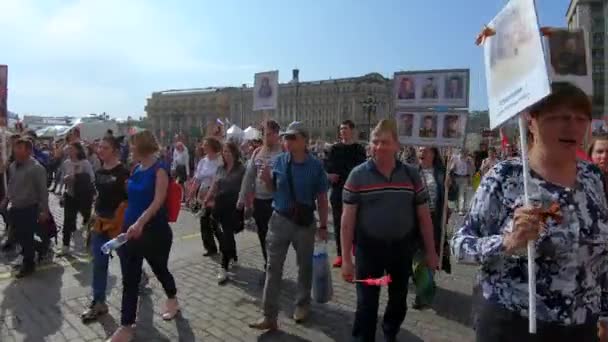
pixel 298 181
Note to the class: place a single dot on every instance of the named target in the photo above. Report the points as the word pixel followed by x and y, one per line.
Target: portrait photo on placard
pixel 265 90
pixel 512 52
pixel 428 126
pixel 452 126
pixel 454 87
pixel 429 88
pixel 568 52
pixel 407 88
pixel 405 124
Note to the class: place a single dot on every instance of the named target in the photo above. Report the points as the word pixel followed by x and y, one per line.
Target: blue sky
pixel 74 57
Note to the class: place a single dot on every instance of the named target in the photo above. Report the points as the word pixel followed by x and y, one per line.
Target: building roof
pixel 189 91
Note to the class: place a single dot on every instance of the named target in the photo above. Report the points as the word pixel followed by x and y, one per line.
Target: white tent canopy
pixel 51 131
pixel 251 133
pixel 234 132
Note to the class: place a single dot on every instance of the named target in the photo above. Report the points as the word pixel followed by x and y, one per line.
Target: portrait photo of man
pixel 428 128
pixel 407 89
pixel 429 91
pixel 405 122
pixel 265 88
pixel 568 53
pixel 451 127
pixel 454 87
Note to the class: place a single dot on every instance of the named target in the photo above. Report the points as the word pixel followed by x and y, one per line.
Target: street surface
pixel 47 305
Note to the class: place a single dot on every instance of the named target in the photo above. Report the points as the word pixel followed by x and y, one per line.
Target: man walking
pixel 298 180
pixel 385 202
pixel 342 158
pixel 28 199
pixel 254 192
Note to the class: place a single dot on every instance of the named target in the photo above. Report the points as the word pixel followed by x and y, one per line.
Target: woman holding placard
pixel 568 221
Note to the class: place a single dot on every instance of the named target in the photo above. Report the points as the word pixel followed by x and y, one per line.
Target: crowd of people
pixel 388 206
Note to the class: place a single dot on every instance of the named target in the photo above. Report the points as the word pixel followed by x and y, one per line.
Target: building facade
pixel 185 111
pixel 591 15
pixel 322 105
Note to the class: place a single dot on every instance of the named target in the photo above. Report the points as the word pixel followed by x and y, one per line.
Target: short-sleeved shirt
pixel 386 207
pixel 111 189
pixel 309 181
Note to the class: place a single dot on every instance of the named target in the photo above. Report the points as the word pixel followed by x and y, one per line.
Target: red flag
pixel 504 141
pixel 382 281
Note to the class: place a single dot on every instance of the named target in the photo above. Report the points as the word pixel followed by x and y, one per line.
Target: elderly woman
pixel 568 222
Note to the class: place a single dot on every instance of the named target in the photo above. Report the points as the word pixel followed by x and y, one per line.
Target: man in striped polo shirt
pixel 385 202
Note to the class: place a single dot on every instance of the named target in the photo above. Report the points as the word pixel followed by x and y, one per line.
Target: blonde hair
pixel 386 126
pixel 145 142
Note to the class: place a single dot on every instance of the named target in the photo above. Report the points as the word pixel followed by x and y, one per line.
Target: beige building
pixel 591 15
pixel 322 105
pixel 186 111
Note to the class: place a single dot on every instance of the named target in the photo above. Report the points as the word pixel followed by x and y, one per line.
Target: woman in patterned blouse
pixel 568 221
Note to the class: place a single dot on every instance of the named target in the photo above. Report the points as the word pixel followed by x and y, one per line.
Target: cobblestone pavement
pixel 46 306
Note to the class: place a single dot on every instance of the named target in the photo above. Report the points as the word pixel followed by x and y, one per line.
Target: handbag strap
pixel 292 192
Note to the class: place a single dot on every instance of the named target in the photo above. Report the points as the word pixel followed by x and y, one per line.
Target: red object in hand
pixel 382 281
pixel 580 154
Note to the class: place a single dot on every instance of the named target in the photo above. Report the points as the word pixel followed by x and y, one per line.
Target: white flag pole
pixel 523 139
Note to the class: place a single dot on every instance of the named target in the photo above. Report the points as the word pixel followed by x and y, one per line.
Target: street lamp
pixel 242 106
pixel 369 105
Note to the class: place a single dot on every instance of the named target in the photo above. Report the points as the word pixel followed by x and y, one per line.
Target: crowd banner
pixel 266 91
pixel 568 57
pixel 431 128
pixel 517 77
pixel 431 88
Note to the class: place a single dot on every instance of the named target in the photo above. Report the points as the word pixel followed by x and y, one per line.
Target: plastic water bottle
pixel 114 243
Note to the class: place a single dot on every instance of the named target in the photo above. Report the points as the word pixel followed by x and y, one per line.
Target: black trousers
pixel 498 324
pixel 374 259
pixel 154 245
pixel 209 230
pixel 25 225
pixel 229 222
pixel 71 208
pixel 262 211
pixel 336 210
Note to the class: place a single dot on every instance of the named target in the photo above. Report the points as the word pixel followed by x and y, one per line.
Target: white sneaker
pixel 65 250
pixel 222 276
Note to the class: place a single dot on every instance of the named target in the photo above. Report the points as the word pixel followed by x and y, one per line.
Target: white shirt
pixel 181 158
pixel 460 165
pixel 205 171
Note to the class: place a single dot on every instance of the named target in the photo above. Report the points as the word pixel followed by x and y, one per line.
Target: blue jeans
pixel 100 267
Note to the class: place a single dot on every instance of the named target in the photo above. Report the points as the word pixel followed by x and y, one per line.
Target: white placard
pixel 431 128
pixel 568 58
pixel 433 88
pixel 516 71
pixel 266 90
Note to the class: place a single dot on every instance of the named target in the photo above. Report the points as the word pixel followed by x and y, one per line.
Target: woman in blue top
pixel 148 232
